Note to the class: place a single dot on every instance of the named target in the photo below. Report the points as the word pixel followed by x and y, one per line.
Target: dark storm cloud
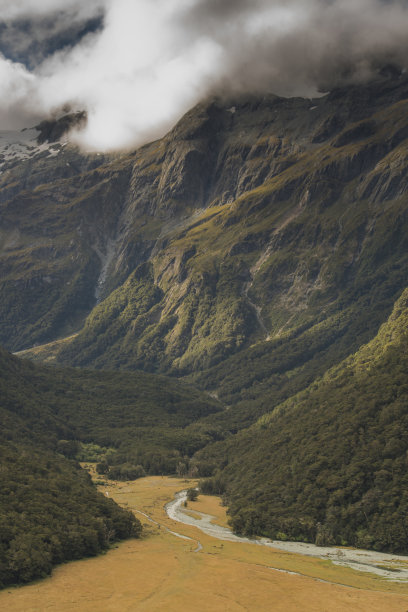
pixel 147 61
pixel 31 41
pixel 299 46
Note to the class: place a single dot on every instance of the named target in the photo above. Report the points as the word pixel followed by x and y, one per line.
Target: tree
pixel 192 494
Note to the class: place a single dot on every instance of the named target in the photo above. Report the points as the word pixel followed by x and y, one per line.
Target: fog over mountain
pixel 137 66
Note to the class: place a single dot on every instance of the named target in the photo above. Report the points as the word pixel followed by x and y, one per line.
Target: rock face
pixel 54 130
pixel 262 221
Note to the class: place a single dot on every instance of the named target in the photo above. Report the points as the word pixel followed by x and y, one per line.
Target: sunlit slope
pixel 252 219
pixel 329 465
pixel 295 225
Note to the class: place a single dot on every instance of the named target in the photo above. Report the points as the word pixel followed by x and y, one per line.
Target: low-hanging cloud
pixel 148 61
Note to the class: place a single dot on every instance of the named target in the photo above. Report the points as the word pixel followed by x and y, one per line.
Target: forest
pixel 50 511
pixel 329 465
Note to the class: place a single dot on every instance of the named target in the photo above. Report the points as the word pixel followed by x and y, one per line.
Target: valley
pixel 227 303
pixel 162 572
pixel 204 306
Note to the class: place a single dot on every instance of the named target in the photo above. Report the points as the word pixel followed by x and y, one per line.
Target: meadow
pixel 162 571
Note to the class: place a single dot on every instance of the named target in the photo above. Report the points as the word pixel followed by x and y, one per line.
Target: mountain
pixel 256 245
pixel 329 465
pixel 253 221
pixel 236 272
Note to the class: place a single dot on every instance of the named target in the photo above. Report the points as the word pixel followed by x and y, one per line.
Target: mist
pixel 137 65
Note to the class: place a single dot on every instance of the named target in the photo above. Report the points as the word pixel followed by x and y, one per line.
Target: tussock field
pixel 210 504
pixel 163 572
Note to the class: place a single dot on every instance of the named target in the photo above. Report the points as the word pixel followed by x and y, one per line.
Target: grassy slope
pixel 329 464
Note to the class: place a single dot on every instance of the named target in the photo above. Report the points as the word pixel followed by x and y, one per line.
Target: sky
pixel 136 66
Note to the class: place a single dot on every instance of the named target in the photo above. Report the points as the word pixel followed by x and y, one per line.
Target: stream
pixel 392 567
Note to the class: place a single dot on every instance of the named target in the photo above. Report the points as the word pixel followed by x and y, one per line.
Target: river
pixel 392 567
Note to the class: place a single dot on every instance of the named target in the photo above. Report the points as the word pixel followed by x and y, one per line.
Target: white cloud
pixel 18 87
pixel 134 78
pixel 153 59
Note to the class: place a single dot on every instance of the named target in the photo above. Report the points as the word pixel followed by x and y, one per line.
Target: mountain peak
pixel 53 130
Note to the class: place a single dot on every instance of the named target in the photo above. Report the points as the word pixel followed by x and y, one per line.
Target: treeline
pixel 50 512
pixel 329 465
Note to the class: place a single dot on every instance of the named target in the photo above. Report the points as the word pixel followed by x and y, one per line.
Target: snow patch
pixel 22 145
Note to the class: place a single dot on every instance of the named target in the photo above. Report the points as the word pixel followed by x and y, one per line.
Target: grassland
pixel 162 571
pixel 209 504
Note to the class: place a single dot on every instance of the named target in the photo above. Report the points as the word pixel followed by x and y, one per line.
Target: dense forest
pixel 329 465
pixel 50 511
pixel 135 415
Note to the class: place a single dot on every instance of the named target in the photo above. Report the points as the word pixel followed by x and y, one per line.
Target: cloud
pixel 34 8
pixel 31 41
pixel 146 62
pixel 17 85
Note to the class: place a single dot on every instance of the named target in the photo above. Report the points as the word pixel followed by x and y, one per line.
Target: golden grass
pixel 211 505
pixel 161 572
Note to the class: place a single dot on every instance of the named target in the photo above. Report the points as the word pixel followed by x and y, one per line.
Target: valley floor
pixel 164 571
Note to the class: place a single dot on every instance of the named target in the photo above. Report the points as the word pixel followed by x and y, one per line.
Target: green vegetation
pixel 311 235
pixel 253 254
pixel 50 511
pixel 136 417
pixel 192 494
pixel 329 465
pixel 53 212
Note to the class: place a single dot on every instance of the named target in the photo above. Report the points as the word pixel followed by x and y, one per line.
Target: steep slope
pixel 56 211
pixel 253 219
pixel 329 464
pixel 296 222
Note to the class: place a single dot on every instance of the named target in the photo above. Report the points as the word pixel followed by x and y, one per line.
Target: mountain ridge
pixel 143 198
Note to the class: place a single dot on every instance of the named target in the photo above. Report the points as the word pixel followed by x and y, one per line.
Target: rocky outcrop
pixel 52 130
